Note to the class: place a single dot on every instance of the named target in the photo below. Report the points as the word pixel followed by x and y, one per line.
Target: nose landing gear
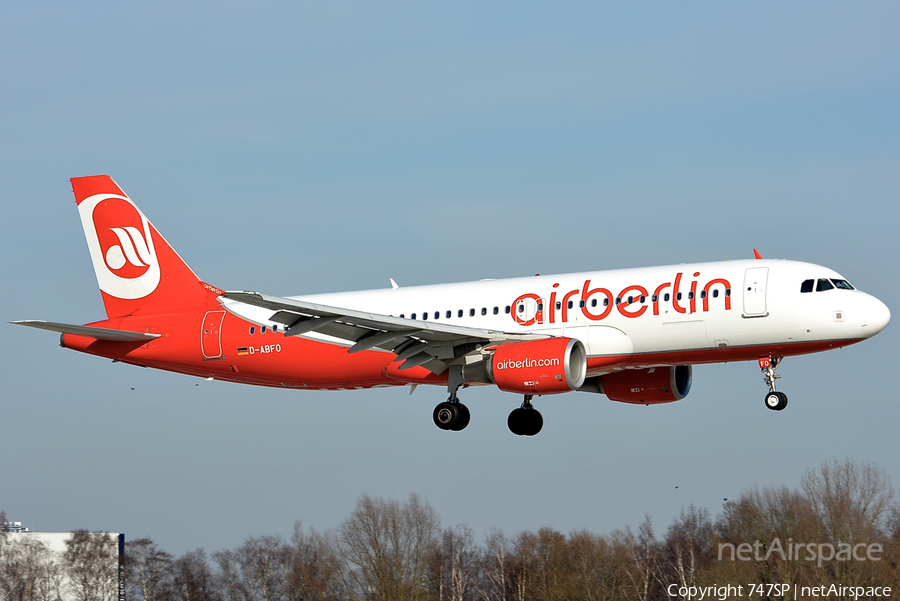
pixel 776 401
pixel 526 420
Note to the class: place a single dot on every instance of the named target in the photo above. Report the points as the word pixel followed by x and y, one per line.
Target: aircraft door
pixel 211 335
pixel 755 279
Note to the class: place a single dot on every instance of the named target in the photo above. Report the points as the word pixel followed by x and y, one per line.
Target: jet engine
pixel 648 386
pixel 535 367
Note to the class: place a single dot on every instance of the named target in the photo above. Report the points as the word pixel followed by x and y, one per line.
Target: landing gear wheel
pixel 525 421
pixel 462 419
pixel 776 401
pixel 443 415
pixel 451 416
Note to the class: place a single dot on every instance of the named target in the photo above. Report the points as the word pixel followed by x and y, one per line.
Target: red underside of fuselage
pixel 293 362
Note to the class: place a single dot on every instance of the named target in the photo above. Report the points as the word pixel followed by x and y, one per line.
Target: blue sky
pixel 299 148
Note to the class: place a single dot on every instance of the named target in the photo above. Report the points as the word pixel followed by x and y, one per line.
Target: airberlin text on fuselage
pixel 547 312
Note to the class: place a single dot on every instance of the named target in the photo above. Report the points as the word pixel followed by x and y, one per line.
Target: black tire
pixel 444 415
pixel 783 403
pixel 462 417
pixel 516 422
pixel 535 422
pixel 776 401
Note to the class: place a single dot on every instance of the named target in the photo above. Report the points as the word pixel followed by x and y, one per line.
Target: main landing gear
pixel 526 420
pixel 451 414
pixel 776 401
pixel 454 416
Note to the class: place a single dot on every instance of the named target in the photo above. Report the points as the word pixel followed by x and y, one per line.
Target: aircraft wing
pixel 432 345
pixel 89 331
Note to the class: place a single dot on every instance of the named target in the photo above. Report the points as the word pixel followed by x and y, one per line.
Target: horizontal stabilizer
pixel 89 331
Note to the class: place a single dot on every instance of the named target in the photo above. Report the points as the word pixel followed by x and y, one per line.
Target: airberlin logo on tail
pixel 121 246
pixel 132 250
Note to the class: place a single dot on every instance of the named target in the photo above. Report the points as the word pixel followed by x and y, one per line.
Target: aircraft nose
pixel 878 316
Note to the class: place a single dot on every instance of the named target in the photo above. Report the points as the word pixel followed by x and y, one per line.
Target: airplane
pixel 629 334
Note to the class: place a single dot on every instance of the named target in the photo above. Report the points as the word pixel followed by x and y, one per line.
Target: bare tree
pixel 686 549
pixel 456 565
pixel 193 579
pixel 256 570
pixel 852 500
pixel 148 570
pixel 92 560
pixel 387 547
pixel 495 566
pixel 30 571
pixel 314 568
pixel 642 551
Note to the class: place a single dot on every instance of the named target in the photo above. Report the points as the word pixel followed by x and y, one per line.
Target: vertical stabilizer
pixel 136 268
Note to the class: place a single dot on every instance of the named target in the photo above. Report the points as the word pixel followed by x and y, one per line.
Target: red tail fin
pixel 135 266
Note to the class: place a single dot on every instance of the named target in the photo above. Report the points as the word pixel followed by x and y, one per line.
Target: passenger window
pixel 643 299
pixel 262 330
pixel 570 304
pixel 666 297
pixel 402 316
pixel 460 314
pixel 437 314
pixel 703 294
pixel 655 298
pixel 715 293
pixel 807 286
pixel 540 307
pixel 842 284
pixel 630 299
pixel 496 310
pixel 484 310
pixel 520 308
pixel 606 302
pixel 824 285
pixel 593 302
pixel 690 296
pixel 424 315
pixel 678 296
pixel 558 305
pixel 449 314
pixel 252 330
pixel 413 316
pixel 618 300
pixel 508 308
pixel 728 292
pixel 471 312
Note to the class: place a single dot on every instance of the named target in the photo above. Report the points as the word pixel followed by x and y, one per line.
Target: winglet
pixel 756 254
pixel 394 284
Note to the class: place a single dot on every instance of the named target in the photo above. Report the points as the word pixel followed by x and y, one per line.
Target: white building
pixel 95 562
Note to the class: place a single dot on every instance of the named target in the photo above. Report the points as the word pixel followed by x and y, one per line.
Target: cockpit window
pixel 842 284
pixel 807 286
pixel 824 285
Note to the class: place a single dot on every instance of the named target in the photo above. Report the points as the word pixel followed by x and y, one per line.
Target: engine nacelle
pixel 648 386
pixel 536 367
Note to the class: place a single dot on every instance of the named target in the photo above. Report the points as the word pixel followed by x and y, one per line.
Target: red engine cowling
pixel 648 386
pixel 540 366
